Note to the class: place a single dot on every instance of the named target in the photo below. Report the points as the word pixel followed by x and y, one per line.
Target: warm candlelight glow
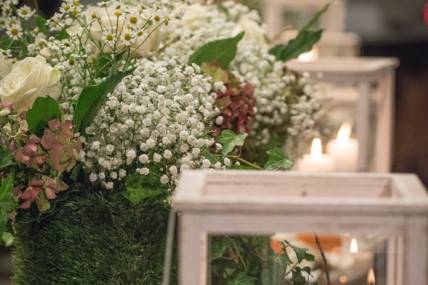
pixel 344 149
pixel 309 56
pixel 344 133
pixel 371 277
pixel 343 279
pixel 316 148
pixel 354 246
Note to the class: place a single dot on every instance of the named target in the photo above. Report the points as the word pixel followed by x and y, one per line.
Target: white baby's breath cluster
pixel 156 122
pixel 286 107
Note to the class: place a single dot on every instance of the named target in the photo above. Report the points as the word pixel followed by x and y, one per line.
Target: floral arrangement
pixel 125 95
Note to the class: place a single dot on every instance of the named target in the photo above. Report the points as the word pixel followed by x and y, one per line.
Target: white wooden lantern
pixel 335 41
pixel 334 20
pixel 263 203
pixel 373 79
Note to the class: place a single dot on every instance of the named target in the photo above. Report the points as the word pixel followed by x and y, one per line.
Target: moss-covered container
pixel 93 239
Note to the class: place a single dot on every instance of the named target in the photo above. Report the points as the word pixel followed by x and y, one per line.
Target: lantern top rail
pixel 255 191
pixel 345 65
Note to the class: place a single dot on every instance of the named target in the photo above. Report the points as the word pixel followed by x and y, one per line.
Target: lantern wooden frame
pixel 258 202
pixel 363 73
pixel 335 41
pixel 335 19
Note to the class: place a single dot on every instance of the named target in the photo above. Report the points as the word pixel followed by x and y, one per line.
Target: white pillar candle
pixel 344 150
pixel 316 161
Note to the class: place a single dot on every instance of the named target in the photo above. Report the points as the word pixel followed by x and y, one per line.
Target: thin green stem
pixel 241 160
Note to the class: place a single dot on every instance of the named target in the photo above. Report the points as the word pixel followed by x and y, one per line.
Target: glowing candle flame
pixel 371 277
pixel 309 56
pixel 354 246
pixel 344 133
pixel 316 148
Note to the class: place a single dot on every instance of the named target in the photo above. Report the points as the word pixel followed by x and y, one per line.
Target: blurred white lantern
pixel 386 210
pixel 361 90
pixel 335 41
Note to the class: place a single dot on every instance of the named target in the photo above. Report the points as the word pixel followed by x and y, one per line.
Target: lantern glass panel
pixel 273 259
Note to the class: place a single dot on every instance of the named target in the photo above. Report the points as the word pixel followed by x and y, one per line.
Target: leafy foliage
pixel 42 24
pixel 304 41
pixel 251 260
pixel 277 160
pixel 142 187
pixel 95 238
pixel 220 52
pixel 230 141
pixel 92 98
pixel 6 158
pixel 8 204
pixel 43 110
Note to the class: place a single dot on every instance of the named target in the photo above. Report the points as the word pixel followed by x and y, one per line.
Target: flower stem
pixel 324 259
pixel 250 164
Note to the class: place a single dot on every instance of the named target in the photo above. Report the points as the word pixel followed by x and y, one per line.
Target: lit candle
pixel 354 246
pixel 316 161
pixel 309 56
pixel 371 280
pixel 363 260
pixel 344 150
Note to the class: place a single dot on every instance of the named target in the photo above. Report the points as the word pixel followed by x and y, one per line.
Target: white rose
pixel 5 66
pixel 193 16
pixel 29 79
pixel 254 32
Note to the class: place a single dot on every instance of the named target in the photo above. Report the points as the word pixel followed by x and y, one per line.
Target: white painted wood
pixel 375 152
pixel 384 124
pixel 393 205
pixel 416 251
pixel 363 125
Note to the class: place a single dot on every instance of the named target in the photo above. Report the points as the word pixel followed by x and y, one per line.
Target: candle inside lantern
pixel 316 161
pixel 354 246
pixel 371 280
pixel 309 56
pixel 363 260
pixel 344 150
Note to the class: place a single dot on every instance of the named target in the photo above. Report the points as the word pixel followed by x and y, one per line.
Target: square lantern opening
pixel 372 228
pixel 360 94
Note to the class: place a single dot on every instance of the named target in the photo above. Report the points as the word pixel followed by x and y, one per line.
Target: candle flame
pixel 316 149
pixel 371 277
pixel 354 246
pixel 344 133
pixel 309 56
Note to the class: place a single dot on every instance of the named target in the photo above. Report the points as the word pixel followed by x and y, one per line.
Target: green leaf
pixel 302 253
pixel 3 221
pixel 62 35
pixel 92 98
pixel 276 160
pixel 297 277
pixel 44 109
pixel 7 201
pixel 7 239
pixel 242 279
pixel 220 52
pixel 6 158
pixel 230 140
pixel 316 18
pixel 42 24
pixel 304 41
pixel 142 187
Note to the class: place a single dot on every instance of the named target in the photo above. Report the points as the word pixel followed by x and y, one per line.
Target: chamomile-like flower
pixel 25 12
